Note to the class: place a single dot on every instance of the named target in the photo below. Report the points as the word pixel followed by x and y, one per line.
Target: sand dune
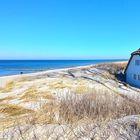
pixel 67 103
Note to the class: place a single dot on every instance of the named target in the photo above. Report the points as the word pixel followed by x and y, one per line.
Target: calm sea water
pixel 12 67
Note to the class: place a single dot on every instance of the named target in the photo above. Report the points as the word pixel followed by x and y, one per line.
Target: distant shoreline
pixel 16 67
pixel 58 69
pixel 6 79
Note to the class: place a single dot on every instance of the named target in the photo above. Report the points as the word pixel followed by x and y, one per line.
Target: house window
pixel 138 77
pixel 137 62
pixel 135 76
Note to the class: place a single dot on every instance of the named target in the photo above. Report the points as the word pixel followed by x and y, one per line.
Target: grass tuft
pixel 13 110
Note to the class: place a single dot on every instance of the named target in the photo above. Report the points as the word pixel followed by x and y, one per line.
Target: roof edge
pixel 128 63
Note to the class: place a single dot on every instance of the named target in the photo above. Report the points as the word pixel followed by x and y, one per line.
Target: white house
pixel 132 70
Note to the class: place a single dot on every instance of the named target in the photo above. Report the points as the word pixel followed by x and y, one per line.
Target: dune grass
pixel 33 94
pixel 8 87
pixel 30 94
pixel 13 110
pixel 6 98
pixel 13 83
pixel 81 89
pixel 96 106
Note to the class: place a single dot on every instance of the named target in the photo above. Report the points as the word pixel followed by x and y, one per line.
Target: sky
pixel 69 29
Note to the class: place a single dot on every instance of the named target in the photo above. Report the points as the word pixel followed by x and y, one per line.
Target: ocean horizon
pixel 15 67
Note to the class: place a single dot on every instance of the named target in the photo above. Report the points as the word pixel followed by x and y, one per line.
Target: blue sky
pixel 69 29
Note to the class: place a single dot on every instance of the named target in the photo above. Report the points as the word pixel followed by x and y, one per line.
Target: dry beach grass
pixel 80 103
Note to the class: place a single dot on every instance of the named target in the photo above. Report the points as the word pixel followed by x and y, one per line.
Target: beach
pixel 55 103
pixel 5 79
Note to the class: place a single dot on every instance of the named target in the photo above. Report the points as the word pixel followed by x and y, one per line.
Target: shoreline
pixel 5 79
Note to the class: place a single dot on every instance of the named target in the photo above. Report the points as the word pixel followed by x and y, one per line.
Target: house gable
pixel 132 56
pixel 133 71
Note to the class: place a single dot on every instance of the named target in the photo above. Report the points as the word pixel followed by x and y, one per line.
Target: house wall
pixel 133 69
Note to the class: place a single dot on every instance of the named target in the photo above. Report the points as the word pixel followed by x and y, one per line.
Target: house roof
pixel 136 52
pixel 132 54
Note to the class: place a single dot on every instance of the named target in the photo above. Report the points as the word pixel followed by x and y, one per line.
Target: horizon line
pixel 57 59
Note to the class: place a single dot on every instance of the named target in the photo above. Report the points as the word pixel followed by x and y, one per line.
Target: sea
pixel 15 67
